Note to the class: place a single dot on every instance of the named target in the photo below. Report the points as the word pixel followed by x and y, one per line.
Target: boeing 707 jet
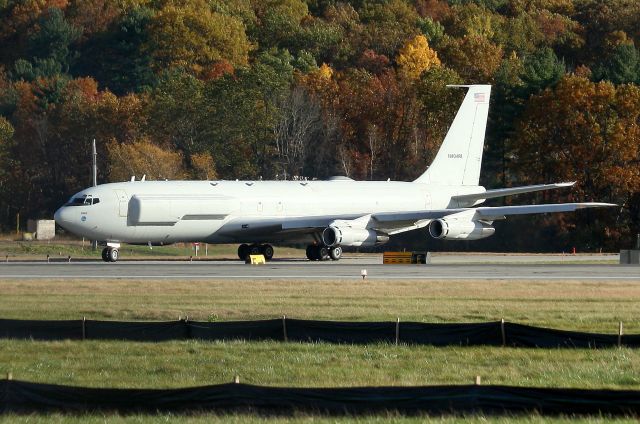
pixel 325 215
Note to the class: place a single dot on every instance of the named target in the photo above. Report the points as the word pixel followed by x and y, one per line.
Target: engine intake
pixel 348 236
pixel 456 229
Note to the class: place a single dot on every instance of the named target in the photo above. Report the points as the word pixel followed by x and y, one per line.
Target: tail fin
pixel 459 159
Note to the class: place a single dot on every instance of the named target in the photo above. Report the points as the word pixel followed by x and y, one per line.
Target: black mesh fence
pixel 25 397
pixel 497 333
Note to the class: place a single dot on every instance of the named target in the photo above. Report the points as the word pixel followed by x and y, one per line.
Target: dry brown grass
pixel 588 306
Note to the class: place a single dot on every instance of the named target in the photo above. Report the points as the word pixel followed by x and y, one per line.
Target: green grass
pixel 571 305
pixel 591 306
pixel 194 363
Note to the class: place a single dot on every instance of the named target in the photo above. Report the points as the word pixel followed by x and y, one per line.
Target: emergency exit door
pixel 123 202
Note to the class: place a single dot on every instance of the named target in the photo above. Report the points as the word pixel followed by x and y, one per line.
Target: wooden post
pixel 397 331
pixel 504 334
pixel 620 334
pixel 284 328
pixel 478 380
pixel 84 328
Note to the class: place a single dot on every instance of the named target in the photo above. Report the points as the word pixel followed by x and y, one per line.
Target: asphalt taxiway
pixel 481 267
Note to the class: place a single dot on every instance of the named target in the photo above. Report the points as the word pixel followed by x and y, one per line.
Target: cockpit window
pixel 85 200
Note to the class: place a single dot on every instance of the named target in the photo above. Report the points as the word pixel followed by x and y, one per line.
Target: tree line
pixel 227 89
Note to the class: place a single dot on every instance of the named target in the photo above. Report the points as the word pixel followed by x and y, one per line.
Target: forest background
pixel 251 89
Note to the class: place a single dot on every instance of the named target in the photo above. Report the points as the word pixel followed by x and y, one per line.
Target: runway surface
pixel 480 267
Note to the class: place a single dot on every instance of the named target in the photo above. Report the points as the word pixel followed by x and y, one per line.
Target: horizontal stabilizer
pixel 503 192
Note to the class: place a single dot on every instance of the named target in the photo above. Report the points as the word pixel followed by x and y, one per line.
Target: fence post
pixel 620 334
pixel 284 328
pixel 84 328
pixel 397 331
pixel 504 334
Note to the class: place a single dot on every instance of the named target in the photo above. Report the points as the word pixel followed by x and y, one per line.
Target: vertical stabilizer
pixel 459 159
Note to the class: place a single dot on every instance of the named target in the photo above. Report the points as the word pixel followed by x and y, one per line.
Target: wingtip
pixel 596 205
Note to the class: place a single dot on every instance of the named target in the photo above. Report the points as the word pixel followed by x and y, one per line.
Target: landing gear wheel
pixel 311 252
pixel 335 253
pixel 105 254
pixel 267 251
pixel 113 254
pixel 243 251
pixel 323 253
pixel 255 249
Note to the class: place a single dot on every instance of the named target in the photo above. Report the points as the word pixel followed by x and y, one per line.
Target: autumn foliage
pixel 280 88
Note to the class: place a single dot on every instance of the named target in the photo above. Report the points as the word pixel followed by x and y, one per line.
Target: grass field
pixel 567 305
pixel 571 305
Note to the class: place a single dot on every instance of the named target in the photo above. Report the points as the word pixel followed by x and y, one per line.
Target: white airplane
pixel 325 214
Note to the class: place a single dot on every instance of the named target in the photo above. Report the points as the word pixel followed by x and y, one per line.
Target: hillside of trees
pixel 248 89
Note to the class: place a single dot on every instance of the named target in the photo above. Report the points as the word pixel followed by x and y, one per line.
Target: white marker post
pixel 363 272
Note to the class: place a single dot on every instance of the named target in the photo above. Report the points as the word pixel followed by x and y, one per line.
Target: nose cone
pixel 62 217
pixel 58 216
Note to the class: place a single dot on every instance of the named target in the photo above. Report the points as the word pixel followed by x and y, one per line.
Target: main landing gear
pixel 110 254
pixel 320 252
pixel 244 250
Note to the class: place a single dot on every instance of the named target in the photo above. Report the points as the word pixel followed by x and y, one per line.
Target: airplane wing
pixel 394 223
pixel 390 223
pixel 503 192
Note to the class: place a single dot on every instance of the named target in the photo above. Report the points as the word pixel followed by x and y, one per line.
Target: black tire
pixel 335 253
pixel 323 253
pixel 105 254
pixel 312 254
pixel 255 249
pixel 113 254
pixel 267 251
pixel 243 251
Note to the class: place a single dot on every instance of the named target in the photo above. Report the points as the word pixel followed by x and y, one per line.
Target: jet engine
pixel 349 236
pixel 456 229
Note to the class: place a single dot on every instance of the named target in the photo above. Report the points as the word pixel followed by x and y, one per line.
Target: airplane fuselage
pixel 236 211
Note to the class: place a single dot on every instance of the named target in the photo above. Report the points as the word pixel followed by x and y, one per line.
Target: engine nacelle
pixel 349 236
pixel 456 229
